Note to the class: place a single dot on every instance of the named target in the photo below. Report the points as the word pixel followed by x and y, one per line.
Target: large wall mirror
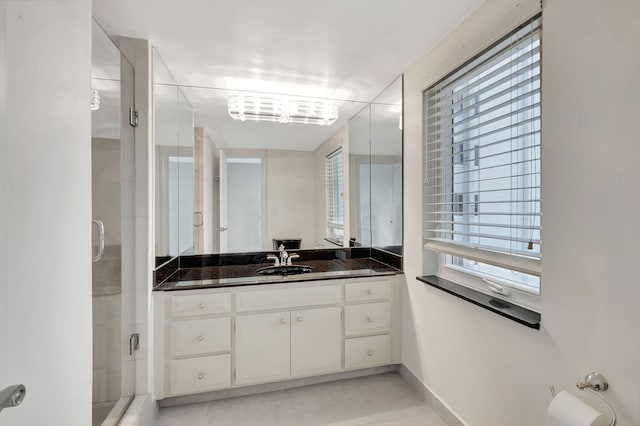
pixel 226 185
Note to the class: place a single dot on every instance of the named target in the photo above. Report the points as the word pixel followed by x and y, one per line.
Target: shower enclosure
pixel 112 143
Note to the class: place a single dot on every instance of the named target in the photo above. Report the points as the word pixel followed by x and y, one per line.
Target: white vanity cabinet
pixel 368 323
pixel 288 343
pixel 211 339
pixel 195 339
pixel 280 345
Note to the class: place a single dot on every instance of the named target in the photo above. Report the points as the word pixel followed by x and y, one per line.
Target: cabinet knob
pixel 200 376
pixel 201 306
pixel 200 338
pixel 299 319
pixel 283 321
pixel 370 353
pixel 369 319
pixel 369 291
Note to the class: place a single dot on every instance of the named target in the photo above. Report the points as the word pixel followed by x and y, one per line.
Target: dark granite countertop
pixel 238 275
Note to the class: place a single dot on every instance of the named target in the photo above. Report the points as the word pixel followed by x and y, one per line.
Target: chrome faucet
pixel 283 255
pixel 286 258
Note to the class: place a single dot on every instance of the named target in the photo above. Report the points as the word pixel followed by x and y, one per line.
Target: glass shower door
pixel 112 143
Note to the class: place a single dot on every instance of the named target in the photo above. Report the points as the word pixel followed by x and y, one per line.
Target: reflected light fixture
pixel 95 100
pixel 280 109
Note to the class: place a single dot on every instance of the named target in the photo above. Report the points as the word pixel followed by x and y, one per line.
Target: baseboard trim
pixel 441 409
pixel 142 412
pixel 272 387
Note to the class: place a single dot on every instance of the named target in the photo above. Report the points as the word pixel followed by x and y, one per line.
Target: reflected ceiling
pixel 210 112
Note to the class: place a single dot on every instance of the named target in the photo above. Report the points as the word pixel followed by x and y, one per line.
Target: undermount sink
pixel 285 270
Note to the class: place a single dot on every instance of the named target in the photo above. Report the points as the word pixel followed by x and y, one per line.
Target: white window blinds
pixel 482 157
pixel 334 185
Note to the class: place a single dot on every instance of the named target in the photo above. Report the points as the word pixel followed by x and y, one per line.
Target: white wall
pixel 49 211
pixel 290 197
pixel 487 369
pixel 339 139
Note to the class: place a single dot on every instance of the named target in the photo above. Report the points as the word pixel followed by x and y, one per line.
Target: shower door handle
pixel 12 396
pixel 100 252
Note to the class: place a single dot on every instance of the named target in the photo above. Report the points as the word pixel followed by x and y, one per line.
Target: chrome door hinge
pixel 134 343
pixel 133 117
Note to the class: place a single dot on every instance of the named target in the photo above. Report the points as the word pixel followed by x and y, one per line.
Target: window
pixel 482 169
pixel 335 200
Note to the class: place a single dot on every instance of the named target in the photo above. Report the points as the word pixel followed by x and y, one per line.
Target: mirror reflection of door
pixel 382 196
pixel 241 203
pixel 205 210
pixel 222 228
pixel 181 202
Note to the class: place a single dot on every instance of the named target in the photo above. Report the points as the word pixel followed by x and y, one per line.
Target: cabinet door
pixel 262 347
pixel 316 345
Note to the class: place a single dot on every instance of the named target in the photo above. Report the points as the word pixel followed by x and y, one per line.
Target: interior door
pixel 4 289
pixel 3 212
pixel 222 227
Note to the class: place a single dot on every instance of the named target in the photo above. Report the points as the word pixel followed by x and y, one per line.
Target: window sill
pixel 503 308
pixel 333 241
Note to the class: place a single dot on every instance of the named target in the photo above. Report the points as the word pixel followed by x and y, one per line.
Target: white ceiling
pixel 341 49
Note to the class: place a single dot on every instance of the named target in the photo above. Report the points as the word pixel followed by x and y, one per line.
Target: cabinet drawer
pixel 187 305
pixel 200 336
pixel 200 374
pixel 367 318
pixel 287 298
pixel 367 290
pixel 367 351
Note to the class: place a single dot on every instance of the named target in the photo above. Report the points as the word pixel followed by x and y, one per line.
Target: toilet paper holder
pixel 598 383
pixel 594 381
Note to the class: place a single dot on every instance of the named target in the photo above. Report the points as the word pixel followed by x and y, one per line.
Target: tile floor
pixel 381 400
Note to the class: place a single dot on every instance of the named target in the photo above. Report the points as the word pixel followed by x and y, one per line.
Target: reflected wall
pixel 386 169
pixel 375 177
pixel 174 167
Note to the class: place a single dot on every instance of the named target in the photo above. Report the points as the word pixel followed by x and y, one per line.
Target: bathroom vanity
pixel 243 332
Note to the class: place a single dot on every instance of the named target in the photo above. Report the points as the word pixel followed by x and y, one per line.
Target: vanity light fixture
pixel 279 109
